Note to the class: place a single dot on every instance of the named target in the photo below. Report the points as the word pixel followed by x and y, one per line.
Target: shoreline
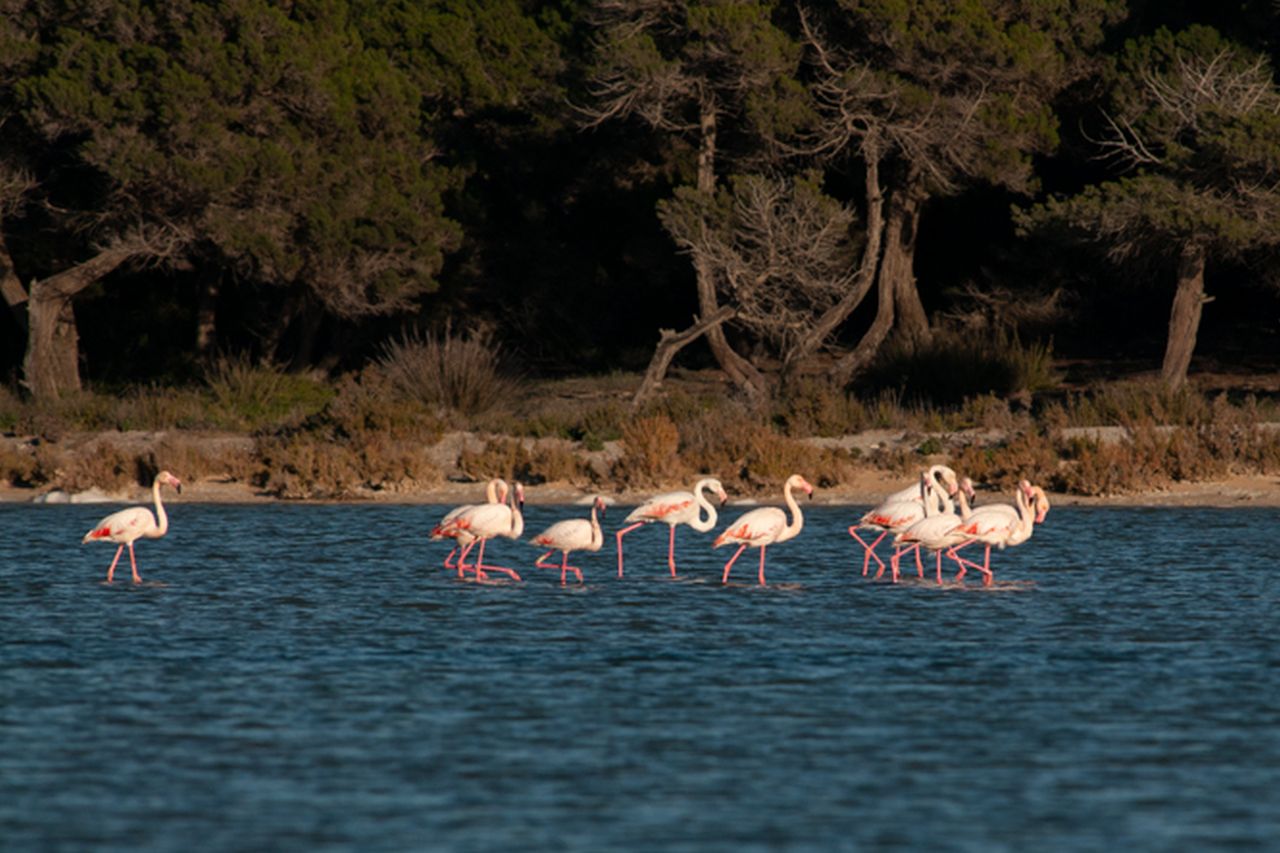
pixel 1262 491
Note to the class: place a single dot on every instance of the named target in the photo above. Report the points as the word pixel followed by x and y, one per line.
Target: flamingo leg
pixel 449 557
pixel 939 566
pixel 565 568
pixel 897 559
pixel 919 564
pixel 671 550
pixel 729 565
pixel 762 549
pixel 965 564
pixel 111 571
pixel 133 564
pixel 462 557
pixel 870 550
pixel 622 533
pixel 481 567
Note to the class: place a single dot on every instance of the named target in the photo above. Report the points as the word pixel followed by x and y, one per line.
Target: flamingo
pixel 675 508
pixel 900 510
pixel 937 531
pixel 766 526
pixel 133 523
pixel 1000 525
pixel 573 534
pixel 495 493
pixel 482 522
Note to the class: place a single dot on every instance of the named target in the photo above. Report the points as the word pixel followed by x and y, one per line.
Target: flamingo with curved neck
pixel 495 493
pixel 128 525
pixel 766 526
pixel 1002 526
pixel 482 522
pixel 675 508
pixel 902 509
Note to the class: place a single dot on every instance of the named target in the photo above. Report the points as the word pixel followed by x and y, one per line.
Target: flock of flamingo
pixel 934 514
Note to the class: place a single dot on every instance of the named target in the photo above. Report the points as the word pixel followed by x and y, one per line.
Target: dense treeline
pixel 796 186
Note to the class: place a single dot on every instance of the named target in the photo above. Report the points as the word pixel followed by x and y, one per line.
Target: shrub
pixel 253 395
pixel 649 452
pixel 958 364
pixel 522 461
pixel 454 372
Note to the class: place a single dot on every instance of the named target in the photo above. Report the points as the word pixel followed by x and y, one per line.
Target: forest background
pixel 339 249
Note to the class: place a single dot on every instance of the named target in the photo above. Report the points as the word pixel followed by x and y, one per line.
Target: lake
pixel 298 677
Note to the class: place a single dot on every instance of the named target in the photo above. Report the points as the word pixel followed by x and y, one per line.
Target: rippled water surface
pixel 308 677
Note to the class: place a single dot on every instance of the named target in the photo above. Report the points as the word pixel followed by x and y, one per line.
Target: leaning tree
pixel 694 71
pixel 930 98
pixel 1192 128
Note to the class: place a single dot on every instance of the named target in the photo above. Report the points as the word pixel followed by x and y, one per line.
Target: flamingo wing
pixel 991 523
pixel 483 520
pixel 758 527
pixel 672 507
pixel 569 535
pixel 123 526
pixel 894 515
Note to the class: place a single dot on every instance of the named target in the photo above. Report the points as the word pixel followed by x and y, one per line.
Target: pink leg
pixel 965 564
pixel 133 564
pixel 729 565
pixel 565 568
pixel 762 583
pixel 462 557
pixel 622 533
pixel 671 550
pixel 448 560
pixel 939 567
pixel 897 559
pixel 870 551
pixel 111 571
pixel 480 567
pixel 919 564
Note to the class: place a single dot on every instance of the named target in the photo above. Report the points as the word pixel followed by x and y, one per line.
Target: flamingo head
pixel 718 490
pixel 499 490
pixel 947 476
pixel 164 478
pixel 795 481
pixel 519 495
pixel 966 486
pixel 1040 501
pixel 599 504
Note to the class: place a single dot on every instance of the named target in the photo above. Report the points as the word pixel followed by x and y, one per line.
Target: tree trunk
pixel 741 372
pixel 51 366
pixel 861 285
pixel 900 253
pixel 670 343
pixel 15 295
pixel 1184 320
pixel 895 268
pixel 207 312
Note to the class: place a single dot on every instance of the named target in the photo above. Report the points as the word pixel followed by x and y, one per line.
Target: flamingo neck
pixel 700 524
pixel 797 517
pixel 517 520
pixel 963 500
pixel 597 537
pixel 944 505
pixel 1026 518
pixel 162 518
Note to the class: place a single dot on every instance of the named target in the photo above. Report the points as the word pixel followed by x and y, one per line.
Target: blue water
pixel 308 678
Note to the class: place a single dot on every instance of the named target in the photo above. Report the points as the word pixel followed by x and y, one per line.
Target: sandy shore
pixel 867 489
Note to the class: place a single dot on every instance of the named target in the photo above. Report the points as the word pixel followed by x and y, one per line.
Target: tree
pixel 693 71
pixel 931 97
pixel 1193 130
pixel 299 146
pixel 780 252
